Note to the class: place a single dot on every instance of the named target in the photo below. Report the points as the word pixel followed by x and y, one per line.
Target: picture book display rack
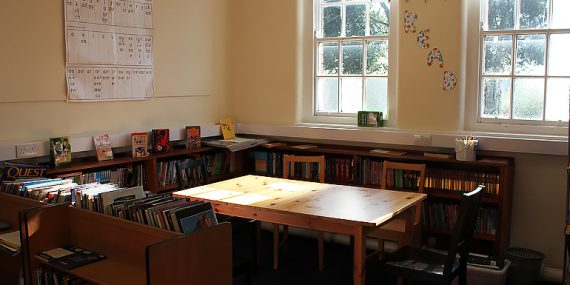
pixel 445 179
pixel 10 207
pixel 135 253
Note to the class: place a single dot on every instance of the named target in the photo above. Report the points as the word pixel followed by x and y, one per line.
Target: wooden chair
pixel 288 168
pixel 428 266
pixel 191 173
pixel 397 230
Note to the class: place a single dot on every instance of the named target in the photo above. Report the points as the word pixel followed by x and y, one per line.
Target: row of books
pixel 338 170
pixel 304 171
pixel 49 276
pixel 217 163
pixel 56 190
pixel 270 163
pixel 167 212
pixel 462 180
pixel 124 176
pixel 368 171
pixel 442 215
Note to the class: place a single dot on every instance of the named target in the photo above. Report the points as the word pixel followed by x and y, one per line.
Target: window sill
pixel 552 145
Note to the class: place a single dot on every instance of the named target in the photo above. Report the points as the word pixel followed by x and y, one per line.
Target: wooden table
pixel 349 210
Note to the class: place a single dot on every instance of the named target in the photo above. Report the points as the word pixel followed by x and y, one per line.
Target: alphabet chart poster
pixel 109 47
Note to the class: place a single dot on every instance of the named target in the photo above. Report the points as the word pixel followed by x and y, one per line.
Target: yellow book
pixel 227 127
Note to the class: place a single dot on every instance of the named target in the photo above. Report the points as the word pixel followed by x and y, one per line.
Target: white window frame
pixel 310 27
pixel 473 121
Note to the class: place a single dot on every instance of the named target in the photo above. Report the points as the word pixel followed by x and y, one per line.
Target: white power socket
pixel 422 139
pixel 27 150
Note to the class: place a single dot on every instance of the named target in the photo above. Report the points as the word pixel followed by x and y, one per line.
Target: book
pixel 139 144
pixel 103 147
pixel 274 144
pixel 439 155
pixel 60 150
pixel 198 217
pixel 160 140
pixel 236 143
pixel 69 257
pixel 227 128
pixel 304 146
pixel 193 138
pixel 12 171
pixel 10 241
pixel 387 151
pixel 111 197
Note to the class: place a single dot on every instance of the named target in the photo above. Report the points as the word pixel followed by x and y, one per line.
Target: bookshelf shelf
pixel 445 179
pixel 219 167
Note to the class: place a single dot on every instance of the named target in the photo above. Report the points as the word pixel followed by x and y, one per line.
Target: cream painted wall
pixel 191 73
pixel 422 102
pixel 264 92
pixel 264 60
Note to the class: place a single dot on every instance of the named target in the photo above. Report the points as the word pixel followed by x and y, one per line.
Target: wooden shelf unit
pixel 10 208
pixel 150 163
pixel 135 253
pixel 501 167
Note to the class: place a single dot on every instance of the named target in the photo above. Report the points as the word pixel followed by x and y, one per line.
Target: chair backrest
pixel 396 175
pixel 290 160
pixel 464 228
pixel 191 173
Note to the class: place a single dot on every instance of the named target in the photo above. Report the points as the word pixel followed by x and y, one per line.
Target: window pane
pixel 528 98
pixel 560 19
pixel 327 95
pixel 352 58
pixel 533 14
pixel 376 95
pixel 559 55
pixel 377 58
pixel 557 92
pixel 496 98
pixel 501 15
pixel 355 20
pixel 380 18
pixel 530 54
pixel 328 58
pixel 498 55
pixel 332 22
pixel 351 95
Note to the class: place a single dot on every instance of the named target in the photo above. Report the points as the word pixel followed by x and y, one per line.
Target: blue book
pixel 195 218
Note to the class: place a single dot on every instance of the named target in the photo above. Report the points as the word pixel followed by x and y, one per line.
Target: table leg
pixel 359 255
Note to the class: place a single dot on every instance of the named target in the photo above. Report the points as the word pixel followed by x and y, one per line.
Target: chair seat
pixel 419 264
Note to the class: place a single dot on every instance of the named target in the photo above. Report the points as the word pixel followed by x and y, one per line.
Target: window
pixel 351 56
pixel 524 62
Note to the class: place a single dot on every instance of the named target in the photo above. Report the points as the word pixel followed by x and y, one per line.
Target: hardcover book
pixel 60 150
pixel 139 144
pixel 193 138
pixel 69 257
pixel 103 147
pixel 227 128
pixel 195 218
pixel 160 140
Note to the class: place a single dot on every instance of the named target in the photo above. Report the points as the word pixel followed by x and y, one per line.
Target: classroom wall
pixel 190 60
pixel 266 90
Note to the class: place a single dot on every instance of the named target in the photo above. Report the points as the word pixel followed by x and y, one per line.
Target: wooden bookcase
pixel 447 177
pixel 151 165
pixel 135 253
pixel 10 208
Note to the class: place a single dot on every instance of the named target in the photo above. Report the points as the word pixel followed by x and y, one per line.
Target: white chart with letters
pixel 109 47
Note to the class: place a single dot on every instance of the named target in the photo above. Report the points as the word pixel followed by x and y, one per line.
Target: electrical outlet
pixel 27 150
pixel 422 139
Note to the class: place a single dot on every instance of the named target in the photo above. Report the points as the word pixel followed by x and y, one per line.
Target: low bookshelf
pixel 445 179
